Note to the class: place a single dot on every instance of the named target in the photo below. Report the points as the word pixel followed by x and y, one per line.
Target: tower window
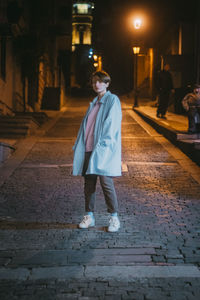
pixel 81 8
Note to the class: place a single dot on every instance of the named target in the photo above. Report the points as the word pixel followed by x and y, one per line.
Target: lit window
pixel 82 8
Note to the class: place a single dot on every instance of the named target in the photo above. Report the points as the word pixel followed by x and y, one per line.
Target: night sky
pixel 113 34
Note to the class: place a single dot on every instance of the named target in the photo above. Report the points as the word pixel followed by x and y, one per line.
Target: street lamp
pixel 95 57
pixel 136 51
pixel 137 23
pixel 97 62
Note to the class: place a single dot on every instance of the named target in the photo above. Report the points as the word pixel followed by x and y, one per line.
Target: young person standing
pixel 97 150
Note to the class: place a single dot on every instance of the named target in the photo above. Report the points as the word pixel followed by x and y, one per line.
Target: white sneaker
pixel 88 221
pixel 114 224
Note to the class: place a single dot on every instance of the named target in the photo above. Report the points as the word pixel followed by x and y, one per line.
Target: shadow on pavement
pixel 6 225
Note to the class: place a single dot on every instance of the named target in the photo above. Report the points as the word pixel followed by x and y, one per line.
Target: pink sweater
pixel 89 132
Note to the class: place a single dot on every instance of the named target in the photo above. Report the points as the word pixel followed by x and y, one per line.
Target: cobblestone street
pixel 43 254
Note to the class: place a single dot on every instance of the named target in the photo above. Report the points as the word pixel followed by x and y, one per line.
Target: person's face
pixel 99 86
pixel 197 90
pixel 167 67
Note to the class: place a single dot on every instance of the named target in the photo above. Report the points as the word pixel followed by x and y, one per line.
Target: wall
pixel 12 84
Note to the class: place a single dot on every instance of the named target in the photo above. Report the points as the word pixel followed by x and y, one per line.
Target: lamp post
pixel 136 51
pixel 137 23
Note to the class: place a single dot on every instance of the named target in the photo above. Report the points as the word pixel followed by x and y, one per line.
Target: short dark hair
pixel 196 86
pixel 104 76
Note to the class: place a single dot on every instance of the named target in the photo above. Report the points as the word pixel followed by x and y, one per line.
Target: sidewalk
pixel 173 128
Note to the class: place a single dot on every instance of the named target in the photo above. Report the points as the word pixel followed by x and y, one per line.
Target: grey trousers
pixel 90 189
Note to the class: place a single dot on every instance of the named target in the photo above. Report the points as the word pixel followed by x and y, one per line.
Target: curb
pixel 188 148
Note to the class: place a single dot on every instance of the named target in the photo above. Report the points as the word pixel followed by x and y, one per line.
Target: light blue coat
pixel 105 159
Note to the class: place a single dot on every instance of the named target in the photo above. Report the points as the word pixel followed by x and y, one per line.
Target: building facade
pixel 35 50
pixel 13 24
pixel 81 43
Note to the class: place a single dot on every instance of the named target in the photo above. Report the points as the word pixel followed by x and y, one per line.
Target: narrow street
pixel 43 254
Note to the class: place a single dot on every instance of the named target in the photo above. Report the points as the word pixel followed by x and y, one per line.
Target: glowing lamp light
pixel 137 23
pixel 95 57
pixel 136 50
pixel 96 65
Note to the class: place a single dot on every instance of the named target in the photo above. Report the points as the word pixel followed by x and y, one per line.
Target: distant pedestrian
pixel 97 150
pixel 191 103
pixel 164 87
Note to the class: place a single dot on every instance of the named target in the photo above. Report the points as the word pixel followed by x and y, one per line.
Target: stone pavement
pixel 43 254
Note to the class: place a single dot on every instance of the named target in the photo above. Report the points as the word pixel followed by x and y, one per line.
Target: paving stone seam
pixel 136 138
pixel 156 163
pixel 100 272
pixel 50 140
pixel 41 165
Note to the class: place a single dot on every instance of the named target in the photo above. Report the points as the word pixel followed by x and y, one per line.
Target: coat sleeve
pixel 111 129
pixel 79 135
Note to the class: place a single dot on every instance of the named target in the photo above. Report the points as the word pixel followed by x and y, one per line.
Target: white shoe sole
pixel 92 225
pixel 113 230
